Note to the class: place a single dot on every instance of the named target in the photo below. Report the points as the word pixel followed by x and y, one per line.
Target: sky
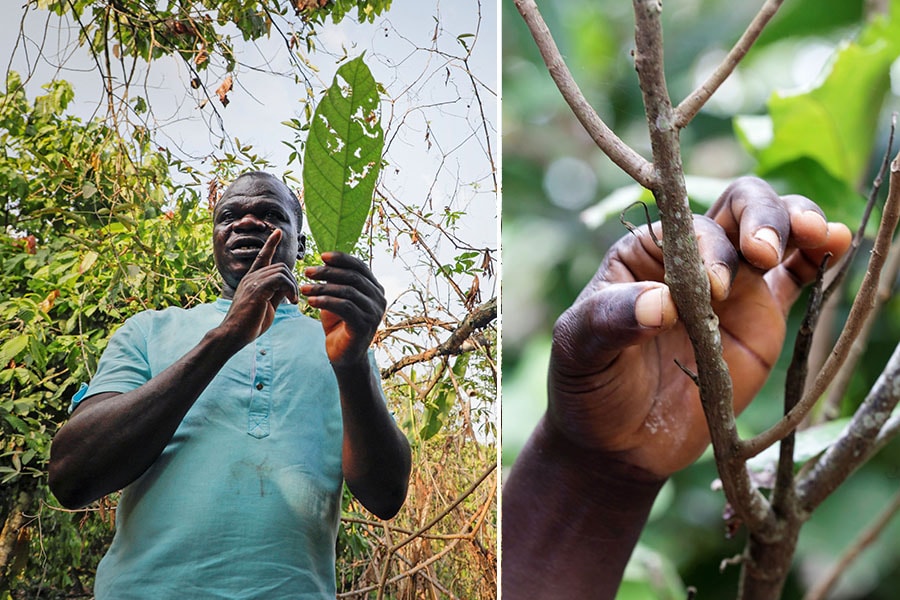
pixel 436 147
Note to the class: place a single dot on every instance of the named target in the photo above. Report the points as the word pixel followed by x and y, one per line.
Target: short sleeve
pixel 124 365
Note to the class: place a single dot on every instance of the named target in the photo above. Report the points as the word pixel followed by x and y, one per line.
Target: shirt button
pixel 259 386
pixel 263 351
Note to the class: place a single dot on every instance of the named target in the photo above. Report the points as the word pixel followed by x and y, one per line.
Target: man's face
pixel 248 212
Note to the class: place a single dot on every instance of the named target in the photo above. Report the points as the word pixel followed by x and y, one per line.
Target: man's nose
pixel 250 221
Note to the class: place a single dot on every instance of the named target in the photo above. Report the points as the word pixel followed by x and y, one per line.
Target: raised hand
pixel 352 305
pixel 614 384
pixel 261 290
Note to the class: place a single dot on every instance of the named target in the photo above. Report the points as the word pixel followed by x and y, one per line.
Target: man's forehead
pixel 257 189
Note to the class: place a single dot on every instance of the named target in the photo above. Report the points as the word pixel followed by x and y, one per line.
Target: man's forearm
pixel 111 439
pixel 571 519
pixel 376 454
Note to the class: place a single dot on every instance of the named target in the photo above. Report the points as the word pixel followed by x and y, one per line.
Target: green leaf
pixel 833 124
pixel 342 158
pixel 11 348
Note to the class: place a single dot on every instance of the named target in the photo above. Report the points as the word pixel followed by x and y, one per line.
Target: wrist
pixel 352 368
pixel 224 341
pixel 594 466
pixel 571 518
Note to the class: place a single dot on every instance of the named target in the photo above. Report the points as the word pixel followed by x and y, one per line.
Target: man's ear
pixel 301 246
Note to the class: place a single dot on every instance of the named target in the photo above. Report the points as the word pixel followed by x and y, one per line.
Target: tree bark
pixel 9 536
pixel 767 560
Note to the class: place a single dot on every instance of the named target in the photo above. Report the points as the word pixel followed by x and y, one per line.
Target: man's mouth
pixel 245 248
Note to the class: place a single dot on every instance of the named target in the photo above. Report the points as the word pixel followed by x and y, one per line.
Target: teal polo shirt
pixel 244 501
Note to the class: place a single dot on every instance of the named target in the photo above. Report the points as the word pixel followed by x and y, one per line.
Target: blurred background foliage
pixel 809 109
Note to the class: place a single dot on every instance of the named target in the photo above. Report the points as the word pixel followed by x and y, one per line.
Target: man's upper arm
pixel 124 365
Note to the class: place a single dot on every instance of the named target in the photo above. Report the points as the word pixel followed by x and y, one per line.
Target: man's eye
pixel 274 215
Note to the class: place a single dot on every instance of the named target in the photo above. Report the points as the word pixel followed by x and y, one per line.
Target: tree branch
pixel 892 266
pixel 477 319
pixel 691 105
pixel 862 306
pixel 783 493
pixel 618 151
pixel 685 275
pixel 820 591
pixel 853 447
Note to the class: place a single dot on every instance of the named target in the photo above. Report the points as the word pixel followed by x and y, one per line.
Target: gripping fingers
pixel 755 219
pixel 801 266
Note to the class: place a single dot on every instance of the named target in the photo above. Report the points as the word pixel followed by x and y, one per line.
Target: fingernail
pixel 821 225
pixel 721 276
pixel 648 308
pixel 769 236
pixel 811 214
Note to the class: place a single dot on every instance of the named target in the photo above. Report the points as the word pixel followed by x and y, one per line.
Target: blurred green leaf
pixel 833 124
pixel 11 348
pixel 650 576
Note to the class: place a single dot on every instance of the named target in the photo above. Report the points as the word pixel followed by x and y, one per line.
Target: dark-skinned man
pixel 232 425
pixel 621 414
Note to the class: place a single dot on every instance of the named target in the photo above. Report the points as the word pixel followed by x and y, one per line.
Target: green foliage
pixel 194 30
pixel 819 142
pixel 96 230
pixel 343 158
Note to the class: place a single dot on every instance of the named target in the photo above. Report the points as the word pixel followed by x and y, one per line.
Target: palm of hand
pixel 339 339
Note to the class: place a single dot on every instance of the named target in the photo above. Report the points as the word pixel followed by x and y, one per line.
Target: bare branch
pixel 852 448
pixel 784 492
pixel 691 105
pixel 618 151
pixel 842 380
pixel 477 319
pixel 867 214
pixel 685 275
pixel 862 306
pixel 820 591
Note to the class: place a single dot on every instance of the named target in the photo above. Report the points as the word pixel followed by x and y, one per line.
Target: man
pixel 231 425
pixel 622 416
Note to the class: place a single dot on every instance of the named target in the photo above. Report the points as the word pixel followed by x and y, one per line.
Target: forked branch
pixel 685 275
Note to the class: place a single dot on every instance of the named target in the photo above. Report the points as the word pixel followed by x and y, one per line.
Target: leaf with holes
pixel 343 158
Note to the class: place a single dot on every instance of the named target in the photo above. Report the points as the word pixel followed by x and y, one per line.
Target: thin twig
pixel 795 382
pixel 618 151
pixel 691 105
pixel 821 590
pixel 632 228
pixel 862 306
pixel 867 213
pixel 841 382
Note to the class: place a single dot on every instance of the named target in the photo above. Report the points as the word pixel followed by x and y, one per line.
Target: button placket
pixel 260 394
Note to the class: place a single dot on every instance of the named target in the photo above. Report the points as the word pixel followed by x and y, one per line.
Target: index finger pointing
pixel 264 258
